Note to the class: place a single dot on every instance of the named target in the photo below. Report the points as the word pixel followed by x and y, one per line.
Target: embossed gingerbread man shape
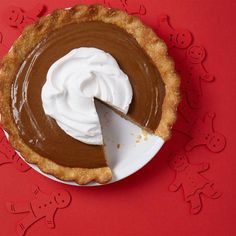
pixel 176 38
pixel 193 72
pixel 196 54
pixel 8 155
pixel 43 206
pixel 133 9
pixel 16 17
pixel 203 133
pixel 189 177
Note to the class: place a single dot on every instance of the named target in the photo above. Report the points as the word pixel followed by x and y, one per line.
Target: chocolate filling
pixel 40 132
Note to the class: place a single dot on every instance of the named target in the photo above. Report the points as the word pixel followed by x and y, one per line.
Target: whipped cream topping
pixel 74 81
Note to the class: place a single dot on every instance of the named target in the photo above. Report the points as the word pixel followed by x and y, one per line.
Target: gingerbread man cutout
pixel 133 9
pixel 188 60
pixel 186 118
pixel 43 206
pixel 18 18
pixel 189 177
pixel 8 155
pixel 175 38
pixel 203 133
pixel 193 73
pixel 195 56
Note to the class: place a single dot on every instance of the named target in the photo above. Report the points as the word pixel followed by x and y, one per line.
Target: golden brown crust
pixel 33 34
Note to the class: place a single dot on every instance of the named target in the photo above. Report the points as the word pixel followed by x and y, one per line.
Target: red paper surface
pixel 143 204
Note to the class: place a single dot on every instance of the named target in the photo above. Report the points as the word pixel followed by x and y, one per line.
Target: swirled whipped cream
pixel 74 81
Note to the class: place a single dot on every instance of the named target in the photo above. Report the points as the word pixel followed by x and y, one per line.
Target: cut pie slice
pixel 139 53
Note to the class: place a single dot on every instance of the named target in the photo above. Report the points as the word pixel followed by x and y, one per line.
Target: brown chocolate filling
pixel 40 132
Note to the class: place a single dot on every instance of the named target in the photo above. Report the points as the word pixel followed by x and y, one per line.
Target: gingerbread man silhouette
pixel 203 133
pixel 193 73
pixel 133 9
pixel 196 54
pixel 175 38
pixel 189 177
pixel 188 61
pixel 43 206
pixel 18 18
pixel 8 155
pixel 186 118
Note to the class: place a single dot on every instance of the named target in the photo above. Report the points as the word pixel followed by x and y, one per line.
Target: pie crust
pixel 34 33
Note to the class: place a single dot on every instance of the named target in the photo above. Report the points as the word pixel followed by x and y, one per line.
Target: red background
pixel 142 204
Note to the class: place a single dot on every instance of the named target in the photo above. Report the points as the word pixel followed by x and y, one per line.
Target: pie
pixel 139 53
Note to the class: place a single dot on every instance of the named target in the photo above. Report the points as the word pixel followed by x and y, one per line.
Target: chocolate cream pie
pixel 53 72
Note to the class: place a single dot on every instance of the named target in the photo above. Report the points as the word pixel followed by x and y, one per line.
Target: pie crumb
pixel 138 139
pixel 144 135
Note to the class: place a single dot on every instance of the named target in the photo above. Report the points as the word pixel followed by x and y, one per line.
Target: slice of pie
pixel 141 55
